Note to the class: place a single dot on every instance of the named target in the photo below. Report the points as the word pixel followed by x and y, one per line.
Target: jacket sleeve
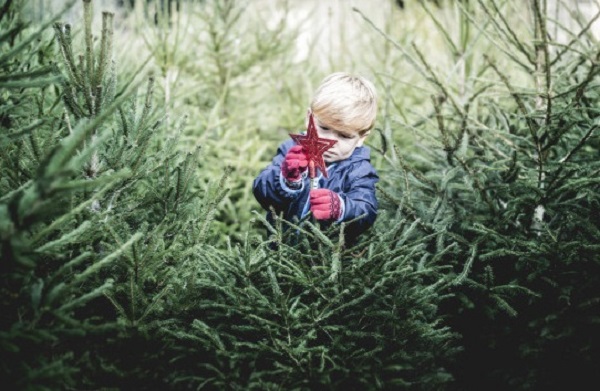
pixel 359 198
pixel 270 189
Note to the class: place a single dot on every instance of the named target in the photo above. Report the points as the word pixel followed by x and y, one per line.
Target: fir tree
pixel 97 206
pixel 311 316
pixel 506 187
pixel 40 229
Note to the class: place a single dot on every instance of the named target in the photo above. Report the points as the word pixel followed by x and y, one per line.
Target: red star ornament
pixel 314 147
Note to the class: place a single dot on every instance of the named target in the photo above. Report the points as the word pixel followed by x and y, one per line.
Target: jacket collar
pixel 360 153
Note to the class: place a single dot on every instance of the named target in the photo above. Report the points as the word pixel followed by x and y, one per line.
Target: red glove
pixel 325 204
pixel 294 164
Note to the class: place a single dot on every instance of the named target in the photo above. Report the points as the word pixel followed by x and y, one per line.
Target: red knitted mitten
pixel 325 204
pixel 294 164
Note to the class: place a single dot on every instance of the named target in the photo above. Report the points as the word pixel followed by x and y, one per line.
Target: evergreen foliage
pixel 216 66
pixel 480 273
pixel 94 201
pixel 506 185
pixel 311 316
pixel 37 304
pixel 109 271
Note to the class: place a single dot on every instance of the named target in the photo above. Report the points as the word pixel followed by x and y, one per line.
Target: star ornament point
pixel 314 146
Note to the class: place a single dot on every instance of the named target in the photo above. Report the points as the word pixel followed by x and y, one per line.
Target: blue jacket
pixel 353 179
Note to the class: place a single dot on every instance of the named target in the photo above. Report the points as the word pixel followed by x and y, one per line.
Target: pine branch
pixel 106 44
pixel 68 238
pixel 579 145
pixel 106 260
pixel 89 49
pixel 63 36
pixel 84 299
pixel 542 63
pixel 82 131
pixel 506 30
pixel 570 46
pixel 66 217
pixel 20 47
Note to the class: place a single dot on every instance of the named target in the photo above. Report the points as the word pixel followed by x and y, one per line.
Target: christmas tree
pixel 95 198
pixel 505 185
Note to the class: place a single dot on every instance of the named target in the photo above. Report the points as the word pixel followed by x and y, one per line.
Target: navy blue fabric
pixel 353 179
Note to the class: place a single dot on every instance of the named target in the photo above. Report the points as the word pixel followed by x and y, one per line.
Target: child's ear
pixel 362 138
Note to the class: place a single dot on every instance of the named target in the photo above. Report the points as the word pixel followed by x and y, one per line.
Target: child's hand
pixel 325 204
pixel 294 164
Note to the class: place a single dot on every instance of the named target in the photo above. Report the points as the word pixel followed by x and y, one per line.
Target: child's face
pixel 347 140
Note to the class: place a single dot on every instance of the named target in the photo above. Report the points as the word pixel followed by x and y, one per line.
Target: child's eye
pixel 346 136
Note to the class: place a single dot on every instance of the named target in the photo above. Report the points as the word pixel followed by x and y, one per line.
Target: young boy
pixel 344 108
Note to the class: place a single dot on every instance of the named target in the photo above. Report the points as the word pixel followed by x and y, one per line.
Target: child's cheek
pixel 345 150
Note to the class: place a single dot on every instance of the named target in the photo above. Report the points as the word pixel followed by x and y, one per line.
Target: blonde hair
pixel 346 102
